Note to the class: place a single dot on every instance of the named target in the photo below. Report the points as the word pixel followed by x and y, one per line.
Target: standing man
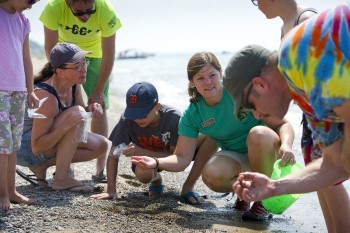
pixel 91 24
pixel 313 69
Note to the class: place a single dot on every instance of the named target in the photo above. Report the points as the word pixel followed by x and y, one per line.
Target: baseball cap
pixel 66 53
pixel 140 100
pixel 245 65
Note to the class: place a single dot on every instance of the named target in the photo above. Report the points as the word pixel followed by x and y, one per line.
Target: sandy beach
pixel 134 211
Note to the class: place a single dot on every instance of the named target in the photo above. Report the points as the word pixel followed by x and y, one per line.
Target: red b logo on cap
pixel 133 99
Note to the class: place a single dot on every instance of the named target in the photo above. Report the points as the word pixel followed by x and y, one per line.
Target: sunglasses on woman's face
pixel 32 2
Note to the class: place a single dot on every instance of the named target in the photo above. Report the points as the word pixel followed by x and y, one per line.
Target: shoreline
pixel 134 212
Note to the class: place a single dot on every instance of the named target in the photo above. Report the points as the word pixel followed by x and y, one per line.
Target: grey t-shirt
pixel 156 139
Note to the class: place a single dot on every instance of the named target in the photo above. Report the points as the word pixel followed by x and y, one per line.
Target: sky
pixel 186 26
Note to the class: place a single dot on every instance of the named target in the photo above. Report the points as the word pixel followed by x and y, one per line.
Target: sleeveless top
pixel 28 122
pixel 296 22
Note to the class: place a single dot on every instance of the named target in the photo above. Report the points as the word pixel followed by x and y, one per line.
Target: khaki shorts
pixel 242 159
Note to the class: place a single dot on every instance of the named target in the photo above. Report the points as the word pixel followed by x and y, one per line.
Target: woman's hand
pixel 74 118
pixel 144 162
pixel 286 155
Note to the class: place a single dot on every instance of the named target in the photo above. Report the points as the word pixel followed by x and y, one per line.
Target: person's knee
pixel 261 136
pixel 144 176
pixel 103 146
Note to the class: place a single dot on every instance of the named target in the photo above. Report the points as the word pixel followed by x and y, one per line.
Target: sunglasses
pixel 255 2
pixel 81 65
pixel 78 14
pixel 32 2
pixel 245 104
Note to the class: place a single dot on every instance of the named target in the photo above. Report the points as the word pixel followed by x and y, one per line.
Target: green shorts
pixel 93 72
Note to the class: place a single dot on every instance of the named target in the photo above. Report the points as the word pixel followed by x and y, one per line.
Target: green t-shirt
pixel 88 36
pixel 219 122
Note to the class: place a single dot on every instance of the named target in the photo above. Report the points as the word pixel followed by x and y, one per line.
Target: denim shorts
pixel 25 156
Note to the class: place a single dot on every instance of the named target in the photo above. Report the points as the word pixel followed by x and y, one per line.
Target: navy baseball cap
pixel 66 52
pixel 140 100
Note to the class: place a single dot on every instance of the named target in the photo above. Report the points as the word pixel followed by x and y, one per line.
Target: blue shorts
pixel 25 156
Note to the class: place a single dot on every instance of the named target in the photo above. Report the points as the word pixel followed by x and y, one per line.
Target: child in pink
pixel 16 80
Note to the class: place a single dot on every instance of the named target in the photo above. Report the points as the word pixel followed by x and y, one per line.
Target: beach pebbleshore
pixel 134 211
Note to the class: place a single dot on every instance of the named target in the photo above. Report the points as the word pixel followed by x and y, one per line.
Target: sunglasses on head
pixel 32 2
pixel 78 14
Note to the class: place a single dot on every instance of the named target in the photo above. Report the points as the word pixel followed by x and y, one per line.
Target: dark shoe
pixel 100 178
pixel 241 205
pixel 256 213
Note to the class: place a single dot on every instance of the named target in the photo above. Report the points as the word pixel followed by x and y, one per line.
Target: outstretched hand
pixel 144 162
pixel 251 186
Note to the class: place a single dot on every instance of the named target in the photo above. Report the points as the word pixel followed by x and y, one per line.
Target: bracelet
pixel 157 163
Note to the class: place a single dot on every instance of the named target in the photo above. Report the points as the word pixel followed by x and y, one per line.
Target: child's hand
pixel 133 150
pixel 33 100
pixel 104 196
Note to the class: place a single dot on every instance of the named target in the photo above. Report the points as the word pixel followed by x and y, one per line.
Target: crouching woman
pixel 51 141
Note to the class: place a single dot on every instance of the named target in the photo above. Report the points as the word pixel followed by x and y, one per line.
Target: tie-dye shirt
pixel 314 59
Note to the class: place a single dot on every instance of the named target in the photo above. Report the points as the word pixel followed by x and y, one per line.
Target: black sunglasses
pixel 255 2
pixel 245 104
pixel 32 2
pixel 77 14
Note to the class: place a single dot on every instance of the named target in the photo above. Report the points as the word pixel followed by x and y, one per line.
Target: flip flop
pixel 186 198
pixel 158 189
pixel 31 178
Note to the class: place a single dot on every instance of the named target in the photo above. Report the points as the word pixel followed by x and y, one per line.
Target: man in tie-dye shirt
pixel 313 69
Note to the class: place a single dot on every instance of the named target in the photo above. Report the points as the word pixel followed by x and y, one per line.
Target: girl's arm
pixel 32 99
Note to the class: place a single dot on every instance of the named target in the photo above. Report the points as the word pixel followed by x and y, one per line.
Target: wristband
pixel 157 163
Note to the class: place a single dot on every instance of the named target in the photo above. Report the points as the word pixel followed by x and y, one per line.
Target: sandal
pixel 31 178
pixel 185 198
pixel 157 189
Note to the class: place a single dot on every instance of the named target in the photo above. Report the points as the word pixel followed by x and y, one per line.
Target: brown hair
pixel 46 72
pixel 196 62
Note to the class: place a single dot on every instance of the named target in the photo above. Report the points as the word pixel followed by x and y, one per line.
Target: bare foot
pixel 70 184
pixel 5 203
pixel 19 198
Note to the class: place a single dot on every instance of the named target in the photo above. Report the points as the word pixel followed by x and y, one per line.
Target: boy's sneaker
pixel 100 178
pixel 256 213
pixel 241 205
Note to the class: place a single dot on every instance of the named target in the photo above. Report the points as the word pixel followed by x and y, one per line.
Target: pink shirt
pixel 13 31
